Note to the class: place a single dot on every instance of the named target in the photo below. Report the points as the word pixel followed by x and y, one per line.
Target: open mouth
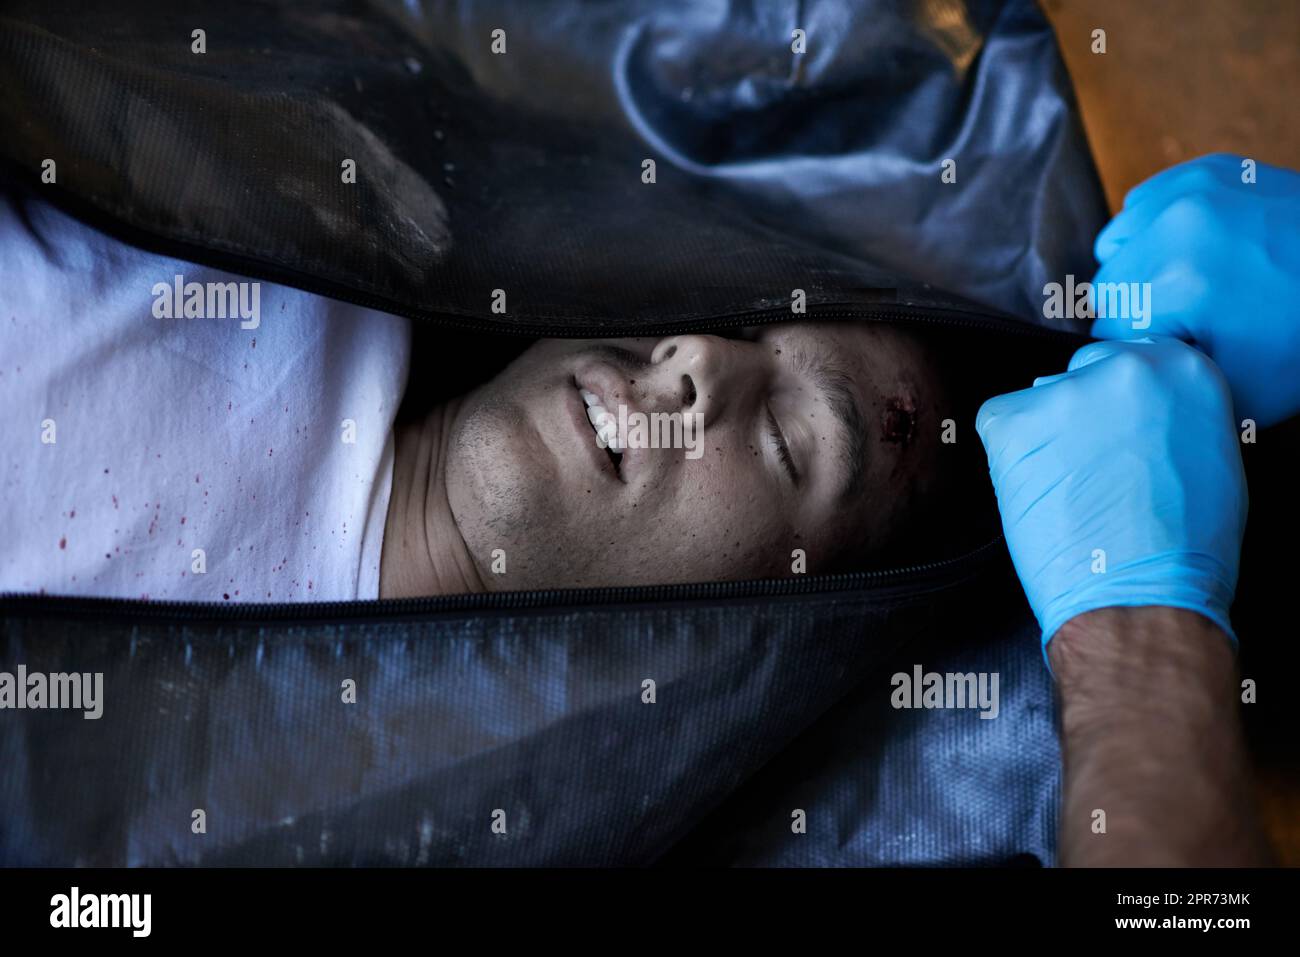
pixel 604 425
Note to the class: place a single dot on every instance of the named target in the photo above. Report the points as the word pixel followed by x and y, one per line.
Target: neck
pixel 423 551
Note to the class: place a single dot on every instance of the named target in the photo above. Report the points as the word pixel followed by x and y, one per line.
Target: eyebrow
pixel 835 386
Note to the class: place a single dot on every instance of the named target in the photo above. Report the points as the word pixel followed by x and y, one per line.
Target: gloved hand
pixel 1120 483
pixel 1223 260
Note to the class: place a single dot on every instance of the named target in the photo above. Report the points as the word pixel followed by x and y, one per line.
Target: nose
pixel 704 374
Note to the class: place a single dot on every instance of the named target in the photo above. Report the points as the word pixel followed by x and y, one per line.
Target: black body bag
pixel 516 159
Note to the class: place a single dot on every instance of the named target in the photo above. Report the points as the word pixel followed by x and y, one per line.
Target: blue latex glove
pixel 1133 452
pixel 1223 260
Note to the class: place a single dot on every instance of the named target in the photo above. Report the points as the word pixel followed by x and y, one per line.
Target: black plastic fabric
pixel 476 171
pixel 761 707
pixel 522 171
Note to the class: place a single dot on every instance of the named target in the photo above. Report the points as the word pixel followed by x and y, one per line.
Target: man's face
pixel 810 436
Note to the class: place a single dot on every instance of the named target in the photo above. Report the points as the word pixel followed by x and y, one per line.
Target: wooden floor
pixel 1180 78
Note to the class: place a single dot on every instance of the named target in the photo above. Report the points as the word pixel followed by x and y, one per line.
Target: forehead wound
pixel 898 421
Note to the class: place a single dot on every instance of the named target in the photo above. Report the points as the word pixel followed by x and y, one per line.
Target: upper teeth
pixel 603 421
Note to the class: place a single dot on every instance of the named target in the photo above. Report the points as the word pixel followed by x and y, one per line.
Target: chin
pixel 494 473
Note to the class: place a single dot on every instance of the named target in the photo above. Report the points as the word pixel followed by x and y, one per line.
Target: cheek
pixel 717 520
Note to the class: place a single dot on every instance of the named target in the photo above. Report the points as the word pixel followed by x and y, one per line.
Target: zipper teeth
pixel 16 604
pixel 559 329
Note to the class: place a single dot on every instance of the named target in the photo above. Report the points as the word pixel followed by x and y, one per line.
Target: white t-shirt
pixel 195 459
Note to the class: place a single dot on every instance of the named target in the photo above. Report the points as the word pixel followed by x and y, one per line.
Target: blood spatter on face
pixel 898 421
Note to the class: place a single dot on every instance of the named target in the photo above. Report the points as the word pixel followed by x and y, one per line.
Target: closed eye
pixel 782 448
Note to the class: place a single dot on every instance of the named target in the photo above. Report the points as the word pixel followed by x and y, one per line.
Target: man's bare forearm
pixel 1151 736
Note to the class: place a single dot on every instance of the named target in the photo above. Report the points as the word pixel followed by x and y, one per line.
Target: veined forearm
pixel 1151 737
